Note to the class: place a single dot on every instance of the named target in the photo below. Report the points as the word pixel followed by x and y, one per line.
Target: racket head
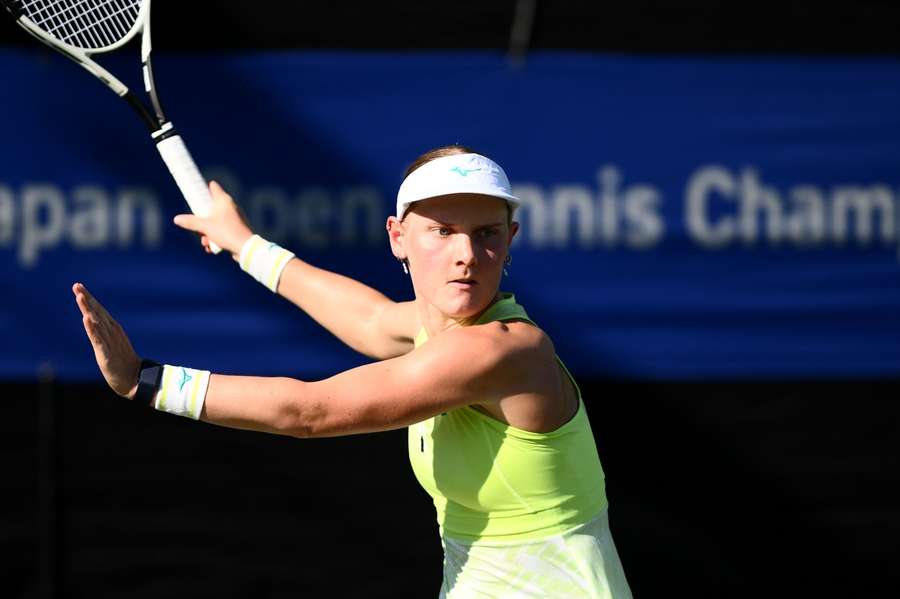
pixel 81 26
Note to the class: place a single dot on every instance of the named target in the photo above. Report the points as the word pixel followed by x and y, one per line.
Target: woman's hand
pixel 118 362
pixel 225 226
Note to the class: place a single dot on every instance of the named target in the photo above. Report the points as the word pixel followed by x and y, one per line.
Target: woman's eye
pixel 488 232
pixel 443 231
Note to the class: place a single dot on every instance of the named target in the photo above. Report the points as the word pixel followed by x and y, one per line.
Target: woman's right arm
pixel 355 313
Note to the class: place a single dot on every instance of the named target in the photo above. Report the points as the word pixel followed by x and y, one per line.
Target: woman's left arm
pixel 460 367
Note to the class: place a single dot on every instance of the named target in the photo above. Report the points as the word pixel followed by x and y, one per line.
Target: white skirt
pixel 581 562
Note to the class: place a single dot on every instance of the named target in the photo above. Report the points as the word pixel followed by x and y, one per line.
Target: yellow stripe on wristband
pixel 279 266
pixel 163 389
pixel 194 388
pixel 255 242
pixel 264 261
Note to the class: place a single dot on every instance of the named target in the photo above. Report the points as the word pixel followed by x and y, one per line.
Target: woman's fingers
pixel 218 192
pixel 190 222
pixel 224 226
pixel 94 316
pixel 98 344
pixel 83 302
pixel 90 329
pixel 115 356
pixel 201 226
pixel 89 306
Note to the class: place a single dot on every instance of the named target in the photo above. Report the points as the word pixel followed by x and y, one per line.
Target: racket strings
pixel 87 24
pixel 90 24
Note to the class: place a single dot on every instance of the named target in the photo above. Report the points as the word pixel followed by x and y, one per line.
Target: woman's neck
pixel 436 322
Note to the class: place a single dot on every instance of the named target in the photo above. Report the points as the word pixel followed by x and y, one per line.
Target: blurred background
pixel 710 235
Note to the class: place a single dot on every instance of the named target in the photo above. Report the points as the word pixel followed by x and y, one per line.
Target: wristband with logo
pixel 182 391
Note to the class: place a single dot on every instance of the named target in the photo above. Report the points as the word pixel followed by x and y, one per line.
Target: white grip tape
pixel 188 178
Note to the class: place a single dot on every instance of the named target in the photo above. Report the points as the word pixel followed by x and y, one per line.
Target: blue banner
pixel 684 218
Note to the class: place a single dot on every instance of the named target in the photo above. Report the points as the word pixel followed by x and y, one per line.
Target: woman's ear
pixel 513 229
pixel 395 231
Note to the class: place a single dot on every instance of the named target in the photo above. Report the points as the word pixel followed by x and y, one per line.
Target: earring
pixel 506 263
pixel 403 262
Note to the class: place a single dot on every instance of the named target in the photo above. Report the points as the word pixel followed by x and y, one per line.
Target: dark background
pixel 717 489
pixel 760 27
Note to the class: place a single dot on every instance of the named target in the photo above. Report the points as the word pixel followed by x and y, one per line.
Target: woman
pixel 498 434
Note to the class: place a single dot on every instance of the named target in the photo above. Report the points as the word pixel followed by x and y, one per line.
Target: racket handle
pixel 188 178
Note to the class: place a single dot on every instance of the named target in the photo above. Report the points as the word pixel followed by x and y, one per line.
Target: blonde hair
pixel 436 153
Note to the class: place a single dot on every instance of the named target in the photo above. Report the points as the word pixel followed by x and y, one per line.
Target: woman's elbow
pixel 302 415
pixel 322 409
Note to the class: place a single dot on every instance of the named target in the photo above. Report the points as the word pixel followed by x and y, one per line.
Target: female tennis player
pixel 498 432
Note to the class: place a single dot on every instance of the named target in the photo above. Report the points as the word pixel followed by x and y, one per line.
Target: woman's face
pixel 456 246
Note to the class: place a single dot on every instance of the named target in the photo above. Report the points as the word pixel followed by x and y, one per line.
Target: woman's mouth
pixel 463 283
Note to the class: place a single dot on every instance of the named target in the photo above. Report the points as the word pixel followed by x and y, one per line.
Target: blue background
pixel 302 120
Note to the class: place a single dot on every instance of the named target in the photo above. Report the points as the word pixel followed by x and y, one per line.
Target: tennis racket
pixel 81 28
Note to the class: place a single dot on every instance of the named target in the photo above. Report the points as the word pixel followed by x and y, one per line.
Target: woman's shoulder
pixel 517 344
pixel 516 333
pixel 534 396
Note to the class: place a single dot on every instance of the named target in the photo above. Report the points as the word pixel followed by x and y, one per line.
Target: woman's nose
pixel 465 250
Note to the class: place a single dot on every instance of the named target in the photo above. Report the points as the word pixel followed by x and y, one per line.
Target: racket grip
pixel 188 178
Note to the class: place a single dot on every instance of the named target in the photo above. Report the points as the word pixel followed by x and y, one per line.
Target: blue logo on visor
pixel 463 172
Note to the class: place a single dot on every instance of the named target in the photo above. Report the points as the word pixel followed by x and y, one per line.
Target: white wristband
pixel 264 261
pixel 182 391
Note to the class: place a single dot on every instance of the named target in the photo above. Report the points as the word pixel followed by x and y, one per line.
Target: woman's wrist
pixel 264 261
pixel 240 240
pixel 148 381
pixel 129 388
pixel 173 389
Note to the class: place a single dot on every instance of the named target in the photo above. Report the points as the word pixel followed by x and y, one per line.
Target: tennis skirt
pixel 581 562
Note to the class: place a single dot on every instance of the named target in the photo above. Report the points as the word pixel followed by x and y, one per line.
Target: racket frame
pixel 82 55
pixel 168 142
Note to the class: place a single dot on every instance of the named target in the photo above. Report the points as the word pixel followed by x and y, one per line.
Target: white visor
pixel 457 173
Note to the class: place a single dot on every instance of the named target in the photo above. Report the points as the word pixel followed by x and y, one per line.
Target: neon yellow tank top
pixel 493 481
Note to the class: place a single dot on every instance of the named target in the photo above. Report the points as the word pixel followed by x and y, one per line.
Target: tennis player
pixel 498 431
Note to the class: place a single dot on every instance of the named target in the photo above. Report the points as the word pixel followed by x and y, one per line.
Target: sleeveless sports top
pixel 493 481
